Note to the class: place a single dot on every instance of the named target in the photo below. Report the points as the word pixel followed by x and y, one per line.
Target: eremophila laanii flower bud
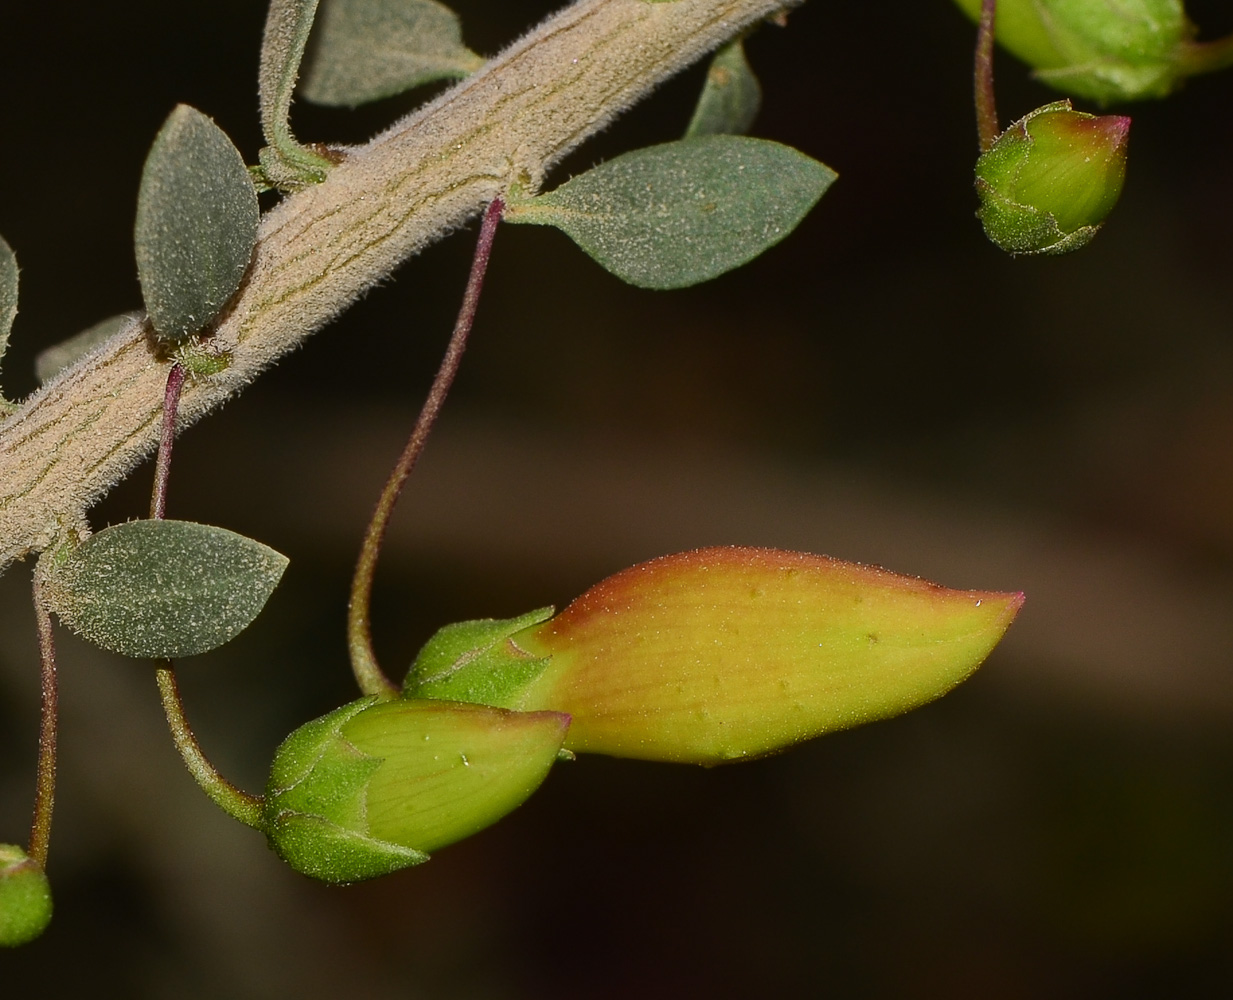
pixel 719 654
pixel 375 786
pixel 25 897
pixel 1105 50
pixel 1050 180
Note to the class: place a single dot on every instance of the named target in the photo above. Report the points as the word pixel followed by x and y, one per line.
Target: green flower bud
pixel 1050 180
pixel 726 653
pixel 25 897
pixel 374 786
pixel 1106 50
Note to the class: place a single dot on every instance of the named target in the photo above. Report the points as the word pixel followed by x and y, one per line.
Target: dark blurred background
pixel 884 386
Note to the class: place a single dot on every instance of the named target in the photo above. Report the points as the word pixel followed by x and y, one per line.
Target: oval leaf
pixel 730 98
pixel 164 589
pixel 725 653
pixel 8 293
pixel 59 356
pixel 365 50
pixel 196 226
pixel 677 214
pixel 285 163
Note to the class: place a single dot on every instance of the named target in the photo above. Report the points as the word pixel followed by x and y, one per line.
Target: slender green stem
pixel 986 105
pixel 45 783
pixel 368 674
pixel 162 467
pixel 238 804
pixel 1206 57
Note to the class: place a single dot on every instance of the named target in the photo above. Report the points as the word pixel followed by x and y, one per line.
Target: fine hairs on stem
pixel 986 105
pixel 368 674
pixel 45 782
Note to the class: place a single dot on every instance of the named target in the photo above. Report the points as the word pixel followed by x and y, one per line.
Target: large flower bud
pixel 720 654
pixel 1106 50
pixel 25 897
pixel 374 786
pixel 1050 180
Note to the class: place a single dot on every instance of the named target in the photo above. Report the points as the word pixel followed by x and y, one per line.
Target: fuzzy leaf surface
pixel 164 589
pixel 364 50
pixel 196 225
pixel 59 356
pixel 730 98
pixel 282 48
pixel 683 212
pixel 8 293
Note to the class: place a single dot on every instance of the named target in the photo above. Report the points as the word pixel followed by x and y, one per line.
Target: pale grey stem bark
pixel 322 247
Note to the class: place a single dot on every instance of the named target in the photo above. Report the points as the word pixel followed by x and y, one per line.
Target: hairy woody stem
pixel 321 248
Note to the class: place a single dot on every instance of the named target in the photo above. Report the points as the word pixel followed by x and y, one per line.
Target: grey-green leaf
pixel 285 163
pixel 681 213
pixel 364 50
pixel 59 356
pixel 730 98
pixel 196 225
pixel 8 293
pixel 163 589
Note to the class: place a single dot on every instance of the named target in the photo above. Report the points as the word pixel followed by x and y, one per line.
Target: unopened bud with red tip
pixel 25 897
pixel 1105 50
pixel 375 786
pixel 726 653
pixel 1050 180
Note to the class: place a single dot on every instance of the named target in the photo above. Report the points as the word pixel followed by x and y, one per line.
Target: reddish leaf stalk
pixel 162 468
pixel 368 674
pixel 986 105
pixel 236 803
pixel 45 781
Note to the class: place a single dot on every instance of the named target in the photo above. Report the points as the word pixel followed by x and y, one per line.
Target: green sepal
pixel 1105 50
pixel 25 897
pixel 163 589
pixel 366 50
pixel 375 785
pixel 315 847
pixel 317 774
pixel 731 96
pixel 684 212
pixel 197 218
pixel 476 661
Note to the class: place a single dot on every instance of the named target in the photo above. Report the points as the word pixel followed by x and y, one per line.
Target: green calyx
pixel 1105 50
pixel 25 897
pixel 1050 180
pixel 477 661
pixel 374 786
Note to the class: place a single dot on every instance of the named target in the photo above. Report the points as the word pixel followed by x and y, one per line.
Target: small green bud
pixel 374 786
pixel 1106 50
pixel 477 661
pixel 1050 180
pixel 25 897
pixel 720 654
